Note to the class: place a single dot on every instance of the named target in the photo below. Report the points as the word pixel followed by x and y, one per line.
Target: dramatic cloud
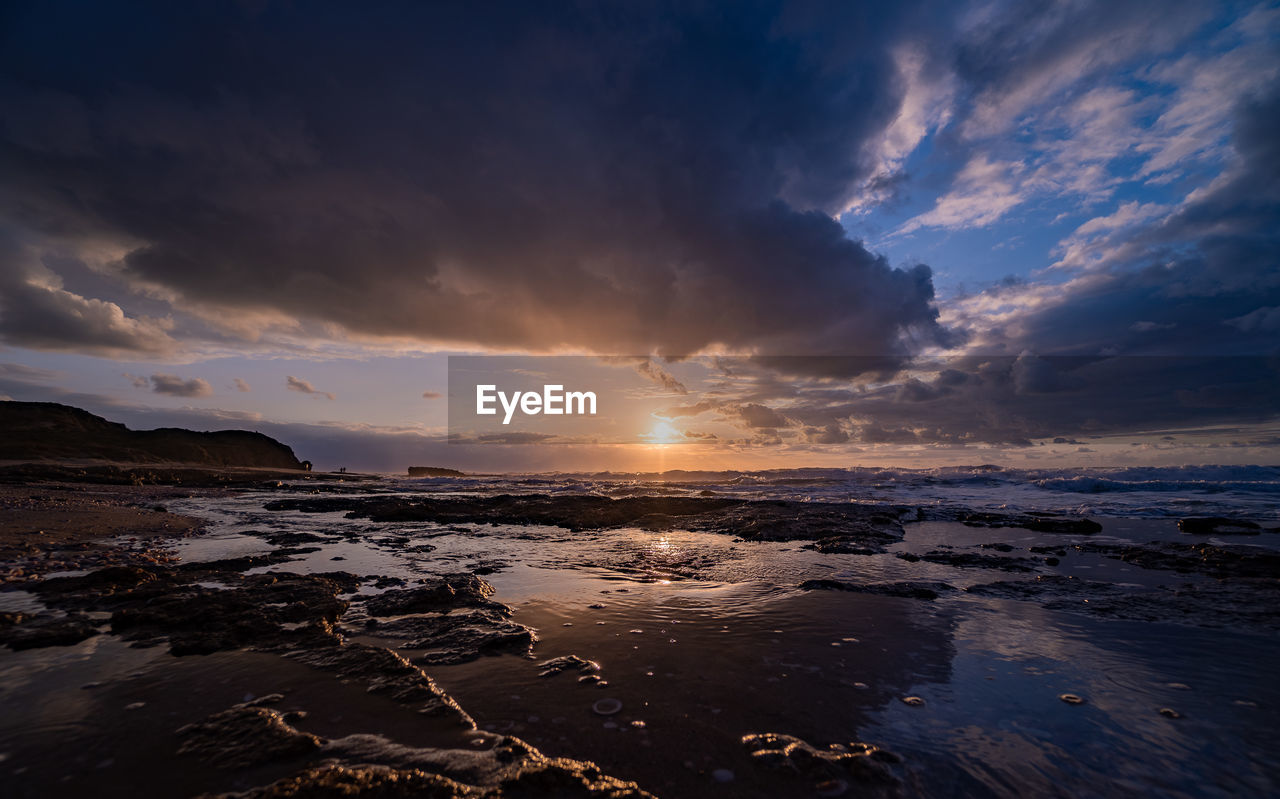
pixel 654 371
pixel 997 401
pixel 757 415
pixel 983 192
pixel 303 387
pixel 631 181
pixel 37 312
pixel 644 181
pixel 1199 279
pixel 175 386
pixel 242 386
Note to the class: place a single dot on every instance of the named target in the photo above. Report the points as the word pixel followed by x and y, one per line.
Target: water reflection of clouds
pixel 1000 720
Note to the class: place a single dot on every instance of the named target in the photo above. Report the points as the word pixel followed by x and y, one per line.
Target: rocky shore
pixel 382 633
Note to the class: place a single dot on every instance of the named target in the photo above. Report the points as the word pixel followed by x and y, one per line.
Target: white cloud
pixel 1261 320
pixel 982 193
pixel 926 107
pixel 1078 134
pixel 42 315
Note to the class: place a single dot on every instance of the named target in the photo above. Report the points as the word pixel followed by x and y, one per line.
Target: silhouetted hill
pixel 32 431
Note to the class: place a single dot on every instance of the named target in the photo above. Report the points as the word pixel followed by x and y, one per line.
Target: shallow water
pixel 704 638
pixel 99 718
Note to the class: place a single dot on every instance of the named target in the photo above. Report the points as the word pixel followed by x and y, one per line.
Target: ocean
pixel 1133 492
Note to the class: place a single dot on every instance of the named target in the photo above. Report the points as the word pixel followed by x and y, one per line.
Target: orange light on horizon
pixel 662 433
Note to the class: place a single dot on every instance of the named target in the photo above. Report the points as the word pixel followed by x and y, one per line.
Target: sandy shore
pixel 58 527
pixel 68 515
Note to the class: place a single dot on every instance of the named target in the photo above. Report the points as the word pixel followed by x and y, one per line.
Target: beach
pixel 768 634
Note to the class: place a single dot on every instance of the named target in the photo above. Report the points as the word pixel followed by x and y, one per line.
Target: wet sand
pixel 55 527
pixel 945 648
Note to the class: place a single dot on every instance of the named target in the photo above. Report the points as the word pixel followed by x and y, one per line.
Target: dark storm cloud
pixel 833 433
pixel 1007 401
pixel 614 178
pixel 760 416
pixel 175 386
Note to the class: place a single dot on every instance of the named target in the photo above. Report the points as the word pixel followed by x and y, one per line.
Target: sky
pixel 782 234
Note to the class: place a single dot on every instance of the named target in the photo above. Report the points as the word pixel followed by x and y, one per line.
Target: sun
pixel 662 433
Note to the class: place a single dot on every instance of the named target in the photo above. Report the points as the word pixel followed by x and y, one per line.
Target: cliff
pixel 39 431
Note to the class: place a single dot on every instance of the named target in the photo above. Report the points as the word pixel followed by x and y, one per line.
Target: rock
pixel 1063 526
pixel 153 604
pixel 290 539
pixel 440 595
pixel 21 631
pixel 434 471
pixel 863 764
pixel 459 636
pixel 335 780
pixel 370 765
pixel 242 564
pixel 855 526
pixel 1247 604
pixel 1216 525
pixel 199 620
pixel 1060 552
pixel 972 559
pixel 100 584
pixel 290 614
pixel 383 673
pixel 1037 522
pixel 565 663
pixel 1221 562
pixel 1045 585
pixel 246 735
pixel 908 590
pixel 843 545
